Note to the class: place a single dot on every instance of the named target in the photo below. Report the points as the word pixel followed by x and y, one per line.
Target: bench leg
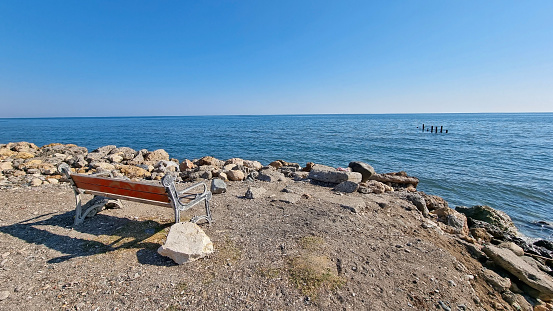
pixel 90 208
pixel 207 215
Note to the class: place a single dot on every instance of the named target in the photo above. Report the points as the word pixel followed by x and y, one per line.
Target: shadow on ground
pixel 97 235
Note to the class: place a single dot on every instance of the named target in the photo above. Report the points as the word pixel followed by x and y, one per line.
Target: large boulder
pixel 209 160
pixel 331 175
pixel 456 222
pixel 540 281
pixel 270 175
pixel 255 165
pixel 156 156
pixel 489 215
pixel 235 175
pixel 419 202
pixel 125 152
pixel 132 171
pixel 361 167
pixel 186 242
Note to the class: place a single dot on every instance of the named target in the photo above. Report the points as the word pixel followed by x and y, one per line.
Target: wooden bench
pixel 165 194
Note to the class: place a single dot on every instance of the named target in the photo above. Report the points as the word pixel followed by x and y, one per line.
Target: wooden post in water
pixel 423 127
pixel 432 129
pixel 441 129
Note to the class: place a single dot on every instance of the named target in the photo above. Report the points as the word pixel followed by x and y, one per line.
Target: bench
pixel 165 194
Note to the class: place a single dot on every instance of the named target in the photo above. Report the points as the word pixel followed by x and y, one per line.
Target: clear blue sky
pixel 128 58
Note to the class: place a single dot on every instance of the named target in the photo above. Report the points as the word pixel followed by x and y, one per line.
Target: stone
pixel 235 175
pixel 498 282
pixel 218 186
pixel 255 165
pixel 400 179
pixel 347 187
pixel 165 166
pixel 209 160
pixel 276 164
pixel 254 192
pixel 300 175
pixel 270 175
pixel 156 156
pixel 132 171
pixel 115 157
pixel 456 221
pixel 434 202
pixel 480 234
pixel 186 242
pixel 4 295
pixel 125 152
pixel 24 155
pixel 186 165
pixel 419 202
pixel 4 166
pixel 48 169
pixel 489 215
pixel 308 167
pixel 361 167
pixel 513 247
pixel 53 181
pixel 35 182
pixel 540 281
pixel 235 161
pixel 331 175
pixel 102 165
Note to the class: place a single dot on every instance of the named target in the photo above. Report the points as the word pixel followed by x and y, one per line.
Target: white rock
pixel 4 295
pixel 186 242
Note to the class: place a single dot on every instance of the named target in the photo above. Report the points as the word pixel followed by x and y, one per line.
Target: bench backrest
pixel 121 188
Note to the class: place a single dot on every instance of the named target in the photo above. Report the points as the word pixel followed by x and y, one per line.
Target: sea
pixel 504 160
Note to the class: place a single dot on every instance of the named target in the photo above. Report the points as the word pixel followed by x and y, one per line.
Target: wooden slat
pixel 122 197
pixel 121 187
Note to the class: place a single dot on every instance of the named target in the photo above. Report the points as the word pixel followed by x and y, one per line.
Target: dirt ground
pixel 270 254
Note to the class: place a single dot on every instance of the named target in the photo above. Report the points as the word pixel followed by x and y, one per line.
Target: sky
pixel 161 58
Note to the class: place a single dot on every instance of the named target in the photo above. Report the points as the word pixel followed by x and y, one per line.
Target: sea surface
pixel 501 160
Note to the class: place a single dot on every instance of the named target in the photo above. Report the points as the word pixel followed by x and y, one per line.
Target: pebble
pixel 4 295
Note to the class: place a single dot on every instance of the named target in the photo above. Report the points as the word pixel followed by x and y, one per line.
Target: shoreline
pixel 314 193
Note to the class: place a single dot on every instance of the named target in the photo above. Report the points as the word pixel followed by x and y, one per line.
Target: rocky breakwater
pixel 521 271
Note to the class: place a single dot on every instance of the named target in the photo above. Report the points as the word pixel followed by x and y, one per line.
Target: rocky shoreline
pixel 519 271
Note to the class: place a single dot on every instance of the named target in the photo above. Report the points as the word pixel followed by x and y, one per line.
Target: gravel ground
pixel 300 250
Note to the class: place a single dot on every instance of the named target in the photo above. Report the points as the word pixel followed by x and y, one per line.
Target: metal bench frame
pixel 178 200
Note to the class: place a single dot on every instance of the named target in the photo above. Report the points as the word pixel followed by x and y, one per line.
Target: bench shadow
pixel 108 234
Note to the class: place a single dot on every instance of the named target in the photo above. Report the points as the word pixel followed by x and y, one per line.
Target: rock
pixel 489 215
pixel 347 187
pixel 434 202
pixel 187 165
pixel 235 175
pixel 300 175
pixel 53 181
pixel 331 175
pixel 498 282
pixel 156 156
pixel 533 277
pixel 513 247
pixel 254 192
pixel 132 171
pixel 361 167
pixel 125 152
pixel 99 153
pixel 400 179
pixel 48 169
pixel 308 167
pixel 545 244
pixel 218 186
pixel 4 166
pixel 223 176
pixel 455 220
pixel 4 295
pixel 419 202
pixel 211 161
pixel 35 182
pixel 102 165
pixel 235 161
pixel 255 165
pixel 270 176
pixel 480 234
pixel 115 158
pixel 24 155
pixel 276 164
pixel 186 242
pixel 165 166
pixel 373 186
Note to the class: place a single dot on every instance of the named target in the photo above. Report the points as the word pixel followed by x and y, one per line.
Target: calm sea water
pixel 501 160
